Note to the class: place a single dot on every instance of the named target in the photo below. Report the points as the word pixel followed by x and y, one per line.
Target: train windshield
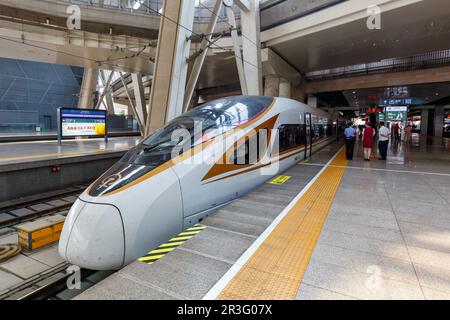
pixel 215 117
pixel 202 123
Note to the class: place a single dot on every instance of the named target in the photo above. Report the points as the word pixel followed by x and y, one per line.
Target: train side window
pixel 242 153
pixel 252 150
pixel 290 136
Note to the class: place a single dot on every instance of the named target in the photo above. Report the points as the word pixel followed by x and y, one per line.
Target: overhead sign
pixel 399 101
pixel 82 122
pixel 396 109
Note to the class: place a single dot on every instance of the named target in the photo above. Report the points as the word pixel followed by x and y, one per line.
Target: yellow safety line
pixel 170 244
pixel 189 233
pixel 196 228
pixel 162 250
pixel 277 267
pixel 168 247
pixel 181 238
pixel 151 257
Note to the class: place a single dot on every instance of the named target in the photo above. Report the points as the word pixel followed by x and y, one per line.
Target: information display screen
pixel 82 122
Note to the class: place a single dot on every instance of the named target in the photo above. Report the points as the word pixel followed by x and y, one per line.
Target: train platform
pixel 38 166
pixel 52 135
pixel 14 153
pixel 335 229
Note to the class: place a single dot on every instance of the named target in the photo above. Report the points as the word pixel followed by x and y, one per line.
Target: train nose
pixel 93 237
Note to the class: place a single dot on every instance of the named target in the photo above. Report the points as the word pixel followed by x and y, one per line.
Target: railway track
pixel 51 282
pixel 27 203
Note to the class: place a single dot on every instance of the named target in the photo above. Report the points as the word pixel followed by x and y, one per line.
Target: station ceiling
pixel 359 99
pixel 415 28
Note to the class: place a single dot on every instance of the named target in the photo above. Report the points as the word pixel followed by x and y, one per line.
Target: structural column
pixel 139 96
pixel 424 122
pixel 251 46
pixel 108 99
pixel 285 88
pixel 271 85
pixel 298 92
pixel 169 78
pixel 312 101
pixel 439 121
pixel 88 88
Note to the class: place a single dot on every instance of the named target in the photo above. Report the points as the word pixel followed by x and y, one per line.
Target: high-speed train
pixel 154 192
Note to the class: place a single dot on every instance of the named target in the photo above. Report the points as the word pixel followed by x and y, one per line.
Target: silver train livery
pixel 149 195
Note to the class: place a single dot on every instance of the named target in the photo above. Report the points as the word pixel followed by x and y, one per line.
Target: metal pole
pixel 105 90
pixel 237 49
pixel 195 73
pixel 141 126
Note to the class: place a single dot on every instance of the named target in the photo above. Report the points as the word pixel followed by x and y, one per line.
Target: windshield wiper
pixel 151 147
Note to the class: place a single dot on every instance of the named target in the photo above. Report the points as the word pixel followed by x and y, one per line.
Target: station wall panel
pixel 40 87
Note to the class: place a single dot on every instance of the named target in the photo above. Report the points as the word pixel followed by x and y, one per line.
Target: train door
pixel 308 135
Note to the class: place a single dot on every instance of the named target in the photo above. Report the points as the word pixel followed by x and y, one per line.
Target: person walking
pixel 368 135
pixel 350 137
pixel 383 141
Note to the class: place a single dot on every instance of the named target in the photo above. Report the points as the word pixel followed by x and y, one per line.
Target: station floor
pixel 337 229
pixel 22 152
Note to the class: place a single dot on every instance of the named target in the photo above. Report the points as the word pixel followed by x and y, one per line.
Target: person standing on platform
pixel 350 137
pixel 368 135
pixel 396 132
pixel 383 141
pixel 408 133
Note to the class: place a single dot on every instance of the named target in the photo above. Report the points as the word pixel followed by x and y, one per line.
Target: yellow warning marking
pixel 189 233
pixel 276 268
pixel 151 257
pixel 172 244
pixel 279 180
pixel 196 228
pixel 162 250
pixel 181 238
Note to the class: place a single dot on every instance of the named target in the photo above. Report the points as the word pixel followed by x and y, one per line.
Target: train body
pixel 153 192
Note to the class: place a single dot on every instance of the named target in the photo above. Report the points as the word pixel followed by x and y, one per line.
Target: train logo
pixel 109 181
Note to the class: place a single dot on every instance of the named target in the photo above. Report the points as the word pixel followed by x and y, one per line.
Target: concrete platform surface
pixel 22 152
pixel 192 269
pixel 386 235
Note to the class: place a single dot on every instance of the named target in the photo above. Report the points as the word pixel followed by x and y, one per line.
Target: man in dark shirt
pixel 350 137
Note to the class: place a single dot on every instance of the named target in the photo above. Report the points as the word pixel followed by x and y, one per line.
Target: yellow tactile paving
pixel 276 269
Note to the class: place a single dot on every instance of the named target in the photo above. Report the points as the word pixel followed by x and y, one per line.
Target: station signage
pixel 396 113
pixel 81 123
pixel 398 101
pixel 396 109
